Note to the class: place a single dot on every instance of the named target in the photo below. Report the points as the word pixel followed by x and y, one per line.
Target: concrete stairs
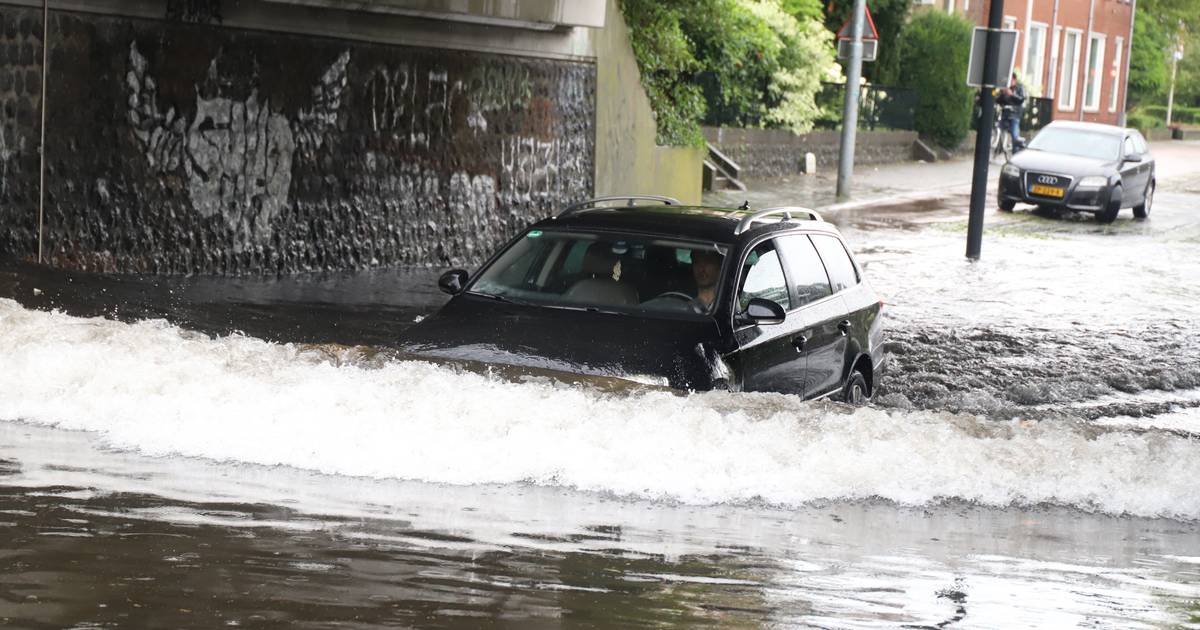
pixel 720 172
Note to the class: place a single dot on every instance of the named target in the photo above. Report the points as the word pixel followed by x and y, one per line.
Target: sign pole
pixel 850 108
pixel 983 136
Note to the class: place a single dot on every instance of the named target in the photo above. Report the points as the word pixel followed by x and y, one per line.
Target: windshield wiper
pixel 502 298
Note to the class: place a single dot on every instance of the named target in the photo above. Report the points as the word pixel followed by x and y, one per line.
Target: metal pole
pixel 983 137
pixel 1052 70
pixel 42 145
pixel 1171 92
pixel 850 109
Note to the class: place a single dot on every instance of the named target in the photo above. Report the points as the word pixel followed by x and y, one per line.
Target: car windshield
pixel 1078 142
pixel 623 273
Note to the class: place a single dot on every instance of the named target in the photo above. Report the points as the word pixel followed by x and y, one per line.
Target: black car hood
pixel 678 353
pixel 1034 160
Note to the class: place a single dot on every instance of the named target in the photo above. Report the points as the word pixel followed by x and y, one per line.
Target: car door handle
pixel 844 326
pixel 799 342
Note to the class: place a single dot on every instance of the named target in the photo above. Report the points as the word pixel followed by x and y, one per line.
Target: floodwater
pixel 218 453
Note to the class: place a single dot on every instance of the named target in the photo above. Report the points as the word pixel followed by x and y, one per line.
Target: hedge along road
pixel 154 475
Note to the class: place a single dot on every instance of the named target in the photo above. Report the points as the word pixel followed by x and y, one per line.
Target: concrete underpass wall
pixel 627 158
pixel 178 147
pixel 775 153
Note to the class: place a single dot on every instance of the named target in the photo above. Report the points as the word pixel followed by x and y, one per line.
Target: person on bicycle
pixel 1012 100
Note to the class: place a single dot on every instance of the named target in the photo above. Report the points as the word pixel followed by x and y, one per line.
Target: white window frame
pixel 1070 68
pixel 1034 80
pixel 1052 68
pixel 1092 70
pixel 1118 52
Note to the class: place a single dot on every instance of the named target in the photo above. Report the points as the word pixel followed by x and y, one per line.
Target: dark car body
pixel 812 349
pixel 1062 177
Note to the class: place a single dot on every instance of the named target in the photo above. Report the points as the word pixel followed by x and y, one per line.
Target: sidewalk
pixel 912 183
pixel 875 185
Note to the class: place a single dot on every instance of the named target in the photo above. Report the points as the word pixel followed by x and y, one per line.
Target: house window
pixel 1069 77
pixel 1035 57
pixel 1118 50
pixel 1094 79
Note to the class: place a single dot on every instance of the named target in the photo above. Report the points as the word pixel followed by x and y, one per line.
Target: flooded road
pixel 261 458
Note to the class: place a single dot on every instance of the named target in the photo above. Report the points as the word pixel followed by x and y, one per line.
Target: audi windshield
pixel 1078 142
pixel 624 273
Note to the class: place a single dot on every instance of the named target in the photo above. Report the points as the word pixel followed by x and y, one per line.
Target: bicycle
pixel 1002 144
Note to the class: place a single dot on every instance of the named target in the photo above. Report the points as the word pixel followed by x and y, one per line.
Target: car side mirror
pixel 1134 157
pixel 453 281
pixel 762 312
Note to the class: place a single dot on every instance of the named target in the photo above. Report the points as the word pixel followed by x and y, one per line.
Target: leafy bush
pixel 749 63
pixel 934 52
pixel 1180 114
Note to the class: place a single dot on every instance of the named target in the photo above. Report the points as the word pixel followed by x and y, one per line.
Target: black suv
pixel 688 297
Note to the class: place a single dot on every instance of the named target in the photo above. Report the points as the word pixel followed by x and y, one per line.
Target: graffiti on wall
pixel 213 150
pixel 235 153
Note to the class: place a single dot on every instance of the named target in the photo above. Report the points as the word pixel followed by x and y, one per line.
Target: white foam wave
pixel 153 388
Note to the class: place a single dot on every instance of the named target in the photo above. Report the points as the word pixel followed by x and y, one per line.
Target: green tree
pixel 934 50
pixel 1148 71
pixel 749 63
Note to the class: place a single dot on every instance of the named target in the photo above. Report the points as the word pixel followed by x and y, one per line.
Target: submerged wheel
pixel 1109 214
pixel 856 391
pixel 1142 211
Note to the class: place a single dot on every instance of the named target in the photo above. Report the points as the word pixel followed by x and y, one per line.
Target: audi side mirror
pixel 1134 157
pixel 762 312
pixel 453 281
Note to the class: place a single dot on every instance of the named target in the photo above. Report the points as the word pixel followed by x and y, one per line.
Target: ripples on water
pixel 1037 425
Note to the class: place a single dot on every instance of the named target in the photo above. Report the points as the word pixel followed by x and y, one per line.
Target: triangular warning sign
pixel 869 31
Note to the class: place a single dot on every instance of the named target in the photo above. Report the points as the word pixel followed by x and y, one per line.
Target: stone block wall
pixel 186 148
pixel 764 153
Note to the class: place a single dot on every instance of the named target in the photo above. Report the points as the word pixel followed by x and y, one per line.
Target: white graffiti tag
pixel 236 154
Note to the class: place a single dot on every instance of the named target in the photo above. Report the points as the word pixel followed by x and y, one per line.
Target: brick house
pixel 1072 51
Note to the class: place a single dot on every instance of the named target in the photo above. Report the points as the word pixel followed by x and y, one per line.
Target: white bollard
pixel 810 163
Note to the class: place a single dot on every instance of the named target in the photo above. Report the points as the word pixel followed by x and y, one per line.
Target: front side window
pixel 842 274
pixel 624 273
pixel 805 269
pixel 762 277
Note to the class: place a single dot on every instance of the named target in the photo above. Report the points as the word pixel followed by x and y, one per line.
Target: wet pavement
pixel 260 459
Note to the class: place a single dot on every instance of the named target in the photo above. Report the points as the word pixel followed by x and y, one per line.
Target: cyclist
pixel 1012 101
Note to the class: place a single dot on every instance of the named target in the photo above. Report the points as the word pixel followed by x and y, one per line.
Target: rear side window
pixel 762 277
pixel 809 280
pixel 842 274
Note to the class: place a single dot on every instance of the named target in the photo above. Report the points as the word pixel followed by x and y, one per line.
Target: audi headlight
pixel 1010 170
pixel 1095 181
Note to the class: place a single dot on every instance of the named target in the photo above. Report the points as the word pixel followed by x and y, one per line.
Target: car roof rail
pixel 629 199
pixel 786 211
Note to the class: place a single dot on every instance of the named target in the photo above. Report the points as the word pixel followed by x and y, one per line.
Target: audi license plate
pixel 1047 191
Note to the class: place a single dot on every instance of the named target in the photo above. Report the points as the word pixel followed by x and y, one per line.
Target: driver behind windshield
pixel 706 271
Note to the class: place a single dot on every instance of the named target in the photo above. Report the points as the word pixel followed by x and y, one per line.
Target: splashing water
pixel 156 389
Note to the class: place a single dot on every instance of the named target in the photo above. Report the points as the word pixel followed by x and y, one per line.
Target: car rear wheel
pixel 1109 214
pixel 856 391
pixel 1142 211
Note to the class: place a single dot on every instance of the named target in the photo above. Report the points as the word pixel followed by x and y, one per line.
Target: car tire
pixel 1142 211
pixel 1109 214
pixel 856 392
pixel 1006 205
